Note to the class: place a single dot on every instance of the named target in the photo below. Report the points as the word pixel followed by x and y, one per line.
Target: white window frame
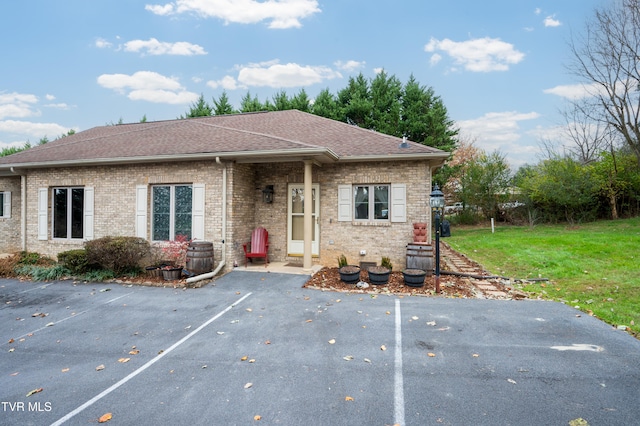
pixel 172 209
pixel 87 213
pixel 397 203
pixel 5 202
pixel 371 202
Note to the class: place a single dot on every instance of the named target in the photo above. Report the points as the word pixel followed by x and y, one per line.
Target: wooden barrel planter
pixel 414 277
pixel 350 274
pixel 420 256
pixel 172 274
pixel 378 275
pixel 199 257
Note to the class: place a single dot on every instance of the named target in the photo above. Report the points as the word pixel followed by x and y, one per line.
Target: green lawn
pixel 595 266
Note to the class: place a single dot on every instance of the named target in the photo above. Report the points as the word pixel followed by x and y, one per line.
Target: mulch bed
pixel 328 279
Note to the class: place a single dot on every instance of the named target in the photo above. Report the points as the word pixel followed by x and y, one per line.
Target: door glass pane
pixel 361 202
pixel 381 203
pixel 183 207
pixel 77 215
pixel 161 212
pixel 297 228
pixel 59 213
pixel 297 200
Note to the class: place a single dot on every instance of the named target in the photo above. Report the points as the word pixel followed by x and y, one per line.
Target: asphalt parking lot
pixel 257 349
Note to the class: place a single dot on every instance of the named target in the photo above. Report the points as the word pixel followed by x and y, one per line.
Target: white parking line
pixel 147 365
pixel 72 316
pixel 398 397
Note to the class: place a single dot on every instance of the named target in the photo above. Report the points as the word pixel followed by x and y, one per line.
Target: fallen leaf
pixel 105 418
pixel 123 360
pixel 348 398
pixel 415 318
pixel 511 381
pixel 100 367
pixel 338 300
pixel 476 355
pixel 431 354
pixel 11 341
pixel 267 342
pixel 51 324
pixel 578 422
pixel 332 341
pixel 383 348
pixel 35 391
pixel 244 358
pixel 433 323
pixel 12 349
pixel 347 358
pixel 15 374
pixel 388 313
pixel 105 289
pixel 367 360
pixel 64 370
pixel 204 366
pixel 309 320
pixel 256 418
pixel 249 310
pixel 252 360
pixel 307 298
pixel 134 352
pixel 248 385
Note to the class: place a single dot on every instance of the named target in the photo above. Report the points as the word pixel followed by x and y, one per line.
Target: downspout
pixel 215 272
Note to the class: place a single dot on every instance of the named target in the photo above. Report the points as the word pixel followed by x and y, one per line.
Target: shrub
pixel 30 258
pixel 118 254
pixel 8 265
pixel 98 275
pixel 75 260
pixel 386 262
pixel 43 273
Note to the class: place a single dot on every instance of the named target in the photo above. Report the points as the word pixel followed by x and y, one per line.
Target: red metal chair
pixel 258 247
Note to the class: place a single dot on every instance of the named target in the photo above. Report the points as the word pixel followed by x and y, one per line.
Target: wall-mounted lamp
pixel 267 194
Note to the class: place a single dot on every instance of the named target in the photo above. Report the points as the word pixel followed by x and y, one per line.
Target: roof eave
pixel 262 156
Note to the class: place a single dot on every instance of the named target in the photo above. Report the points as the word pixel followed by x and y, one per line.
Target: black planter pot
pixel 379 275
pixel 414 277
pixel 349 274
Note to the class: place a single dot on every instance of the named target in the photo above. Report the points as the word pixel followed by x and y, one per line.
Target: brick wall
pixel 10 237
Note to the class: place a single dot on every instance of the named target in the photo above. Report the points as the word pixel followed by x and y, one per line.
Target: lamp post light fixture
pixel 436 201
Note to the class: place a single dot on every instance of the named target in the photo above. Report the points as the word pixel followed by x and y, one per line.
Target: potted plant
pixel 380 274
pixel 350 274
pixel 414 277
pixel 175 252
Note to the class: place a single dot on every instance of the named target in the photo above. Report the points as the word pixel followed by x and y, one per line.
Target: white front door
pixel 295 222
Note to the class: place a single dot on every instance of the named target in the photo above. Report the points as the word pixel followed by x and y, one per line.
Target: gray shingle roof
pixel 266 136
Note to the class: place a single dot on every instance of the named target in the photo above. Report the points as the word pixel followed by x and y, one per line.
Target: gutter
pixel 215 272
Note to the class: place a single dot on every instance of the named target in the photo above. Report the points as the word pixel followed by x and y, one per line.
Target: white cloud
pixel 103 44
pixel 17 105
pixel 280 13
pixel 155 47
pixel 273 74
pixel 36 130
pixel 500 131
pixel 148 86
pixel 550 21
pixel 49 97
pixel 538 11
pixel 478 55
pixel 435 58
pixel 574 91
pixel 349 66
pixel 227 83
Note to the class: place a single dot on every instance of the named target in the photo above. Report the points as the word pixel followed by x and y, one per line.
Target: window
pixel 371 202
pixel 68 213
pixel 5 204
pixel 377 203
pixel 172 211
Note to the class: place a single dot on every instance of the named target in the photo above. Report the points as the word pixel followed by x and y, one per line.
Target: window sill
pixel 370 223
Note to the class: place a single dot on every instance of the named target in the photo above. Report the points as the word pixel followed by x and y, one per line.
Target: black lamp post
pixel 436 201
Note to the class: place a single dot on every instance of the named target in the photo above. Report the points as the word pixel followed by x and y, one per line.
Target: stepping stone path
pixel 484 283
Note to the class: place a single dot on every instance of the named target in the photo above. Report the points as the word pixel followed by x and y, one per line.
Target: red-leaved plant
pixel 175 251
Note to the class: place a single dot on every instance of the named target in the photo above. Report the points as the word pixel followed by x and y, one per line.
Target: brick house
pixel 207 177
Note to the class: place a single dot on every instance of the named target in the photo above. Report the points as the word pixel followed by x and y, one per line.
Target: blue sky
pixel 498 65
